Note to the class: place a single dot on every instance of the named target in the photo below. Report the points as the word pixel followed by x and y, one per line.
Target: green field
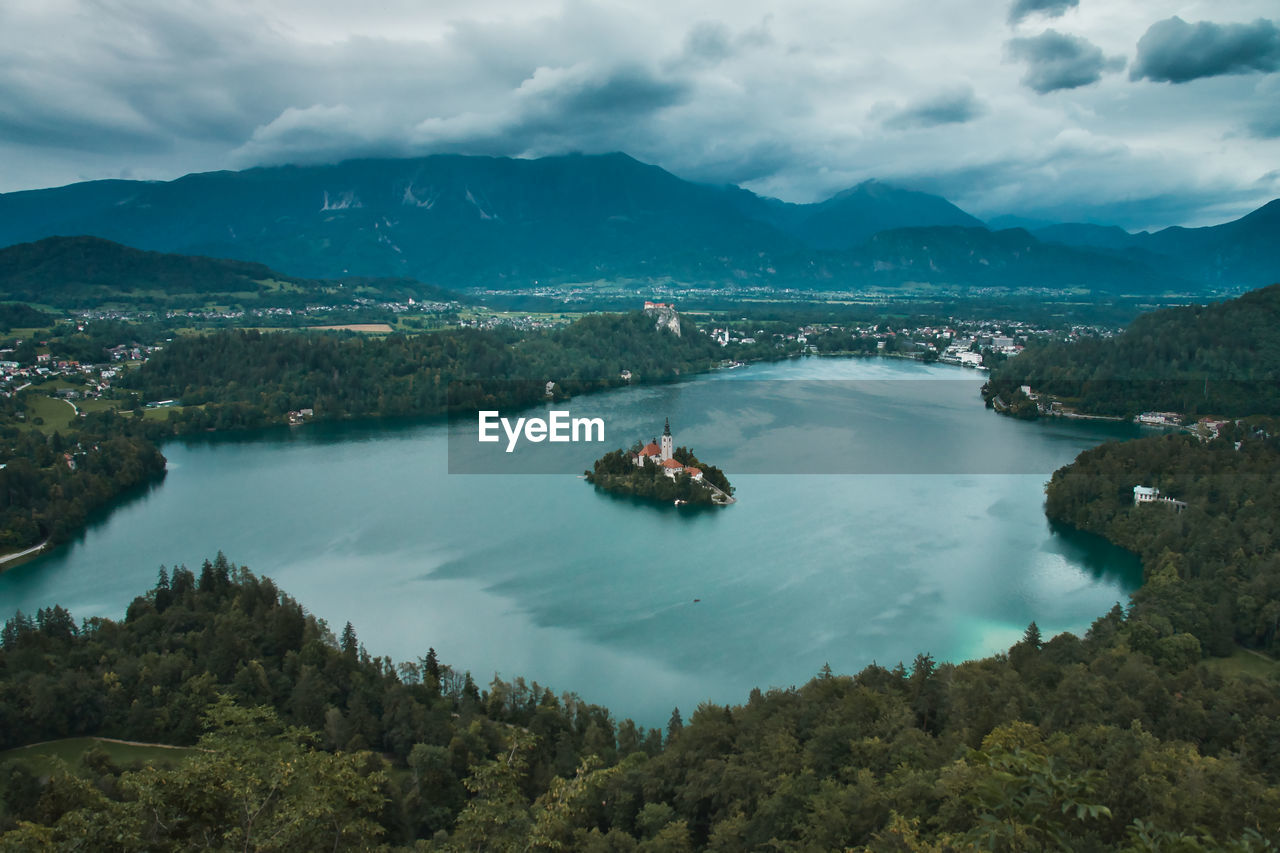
pixel 271 285
pixel 162 414
pixel 98 405
pixel 57 414
pixel 57 384
pixel 25 332
pixel 44 757
pixel 1246 662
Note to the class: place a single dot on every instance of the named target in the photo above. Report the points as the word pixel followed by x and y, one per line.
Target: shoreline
pixel 11 558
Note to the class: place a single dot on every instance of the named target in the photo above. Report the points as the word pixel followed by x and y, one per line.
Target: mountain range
pixel 486 222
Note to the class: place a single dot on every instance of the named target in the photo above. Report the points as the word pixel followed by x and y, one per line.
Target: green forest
pixel 251 378
pixel 1213 569
pixel 90 272
pixel 50 484
pixel 1218 359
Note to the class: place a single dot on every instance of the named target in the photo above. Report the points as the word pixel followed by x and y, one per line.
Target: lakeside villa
pixel 1151 495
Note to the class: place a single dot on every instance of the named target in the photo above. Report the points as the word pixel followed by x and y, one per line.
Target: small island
pixel 661 472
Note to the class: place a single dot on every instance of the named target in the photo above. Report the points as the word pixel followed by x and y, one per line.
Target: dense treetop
pixel 351 375
pixel 1217 359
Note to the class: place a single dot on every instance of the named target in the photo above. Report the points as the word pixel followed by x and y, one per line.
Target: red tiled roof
pixel 671 463
pixel 693 472
pixel 650 449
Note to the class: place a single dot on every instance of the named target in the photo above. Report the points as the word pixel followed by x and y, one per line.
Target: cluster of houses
pixel 1208 429
pixel 724 338
pixel 524 323
pixel 410 305
pixel 958 342
pixel 91 380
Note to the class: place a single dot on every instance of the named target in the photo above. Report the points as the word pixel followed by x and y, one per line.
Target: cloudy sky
pixel 1138 112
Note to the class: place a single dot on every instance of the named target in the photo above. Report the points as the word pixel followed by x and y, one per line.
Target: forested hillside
pixel 1217 359
pixel 50 484
pixel 87 271
pixel 1213 569
pixel 1121 740
pixel 90 272
pixel 239 375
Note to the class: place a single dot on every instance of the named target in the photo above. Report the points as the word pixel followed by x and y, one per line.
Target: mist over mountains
pixel 485 222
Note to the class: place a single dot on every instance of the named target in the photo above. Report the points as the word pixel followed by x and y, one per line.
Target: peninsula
pixel 663 472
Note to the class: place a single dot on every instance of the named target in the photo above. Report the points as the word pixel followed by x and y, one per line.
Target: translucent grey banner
pixel 746 427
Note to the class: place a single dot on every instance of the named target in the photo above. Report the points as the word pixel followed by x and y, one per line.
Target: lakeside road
pixel 727 498
pixel 19 555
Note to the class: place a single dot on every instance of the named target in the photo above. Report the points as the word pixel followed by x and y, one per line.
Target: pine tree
pixel 350 645
pixel 1032 636
pixel 674 725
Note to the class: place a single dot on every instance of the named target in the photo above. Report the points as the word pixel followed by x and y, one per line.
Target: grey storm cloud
pixel 795 103
pixel 1052 8
pixel 952 107
pixel 622 91
pixel 1173 51
pixel 1060 61
pixel 555 109
pixel 1265 127
pixel 708 42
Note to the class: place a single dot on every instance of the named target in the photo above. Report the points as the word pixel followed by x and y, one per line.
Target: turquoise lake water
pixel 882 512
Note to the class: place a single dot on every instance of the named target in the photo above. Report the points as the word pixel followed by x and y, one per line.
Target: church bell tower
pixel 667 444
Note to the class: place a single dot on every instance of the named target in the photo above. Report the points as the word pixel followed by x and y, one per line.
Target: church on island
pixel 661 454
pixel 661 471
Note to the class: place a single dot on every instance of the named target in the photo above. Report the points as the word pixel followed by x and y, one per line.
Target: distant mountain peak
pixel 852 216
pixel 1269 211
pixel 872 187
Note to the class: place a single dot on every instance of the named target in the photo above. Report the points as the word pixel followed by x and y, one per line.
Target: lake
pixel 882 511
